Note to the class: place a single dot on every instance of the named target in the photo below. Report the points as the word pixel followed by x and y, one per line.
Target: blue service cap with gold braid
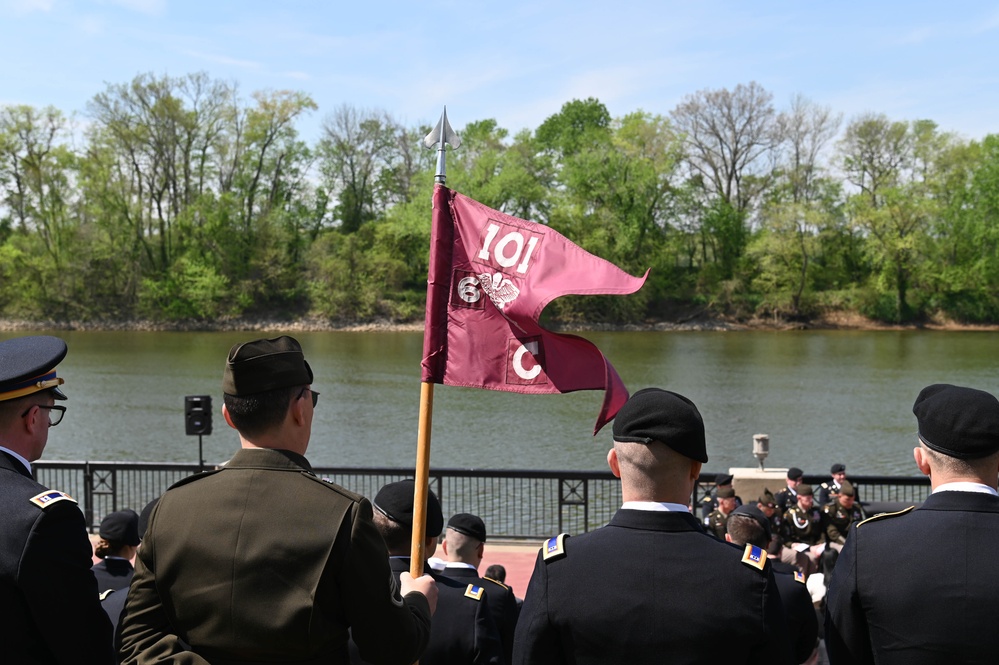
pixel 28 365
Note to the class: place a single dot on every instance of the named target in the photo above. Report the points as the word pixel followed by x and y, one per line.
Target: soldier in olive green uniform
pixel 804 525
pixel 767 504
pixel 715 522
pixel 840 514
pixel 261 561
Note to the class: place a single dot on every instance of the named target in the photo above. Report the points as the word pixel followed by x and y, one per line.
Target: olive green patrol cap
pixel 263 365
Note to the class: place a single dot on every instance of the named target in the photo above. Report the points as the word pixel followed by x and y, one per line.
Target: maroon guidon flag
pixel 490 277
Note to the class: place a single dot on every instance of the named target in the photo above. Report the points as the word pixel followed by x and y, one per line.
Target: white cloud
pixel 301 76
pixel 914 37
pixel 989 24
pixel 91 25
pixel 223 59
pixel 148 7
pixel 20 7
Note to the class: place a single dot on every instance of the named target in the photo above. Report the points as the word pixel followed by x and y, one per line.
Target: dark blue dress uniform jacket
pixel 462 630
pixel 651 587
pixel 113 574
pixel 919 588
pixel 49 608
pixel 502 604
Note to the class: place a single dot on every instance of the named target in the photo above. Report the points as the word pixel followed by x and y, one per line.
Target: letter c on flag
pixel 518 362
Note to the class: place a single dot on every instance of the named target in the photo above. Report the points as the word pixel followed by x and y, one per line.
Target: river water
pixel 822 396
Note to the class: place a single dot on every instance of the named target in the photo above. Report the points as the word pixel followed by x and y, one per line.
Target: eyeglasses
pixel 56 413
pixel 315 396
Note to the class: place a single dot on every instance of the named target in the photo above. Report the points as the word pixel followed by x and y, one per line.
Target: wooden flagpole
pixel 439 138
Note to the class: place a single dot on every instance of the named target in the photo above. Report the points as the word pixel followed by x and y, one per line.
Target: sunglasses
pixel 315 396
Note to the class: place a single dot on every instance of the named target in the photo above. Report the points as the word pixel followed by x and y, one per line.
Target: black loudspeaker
pixel 198 414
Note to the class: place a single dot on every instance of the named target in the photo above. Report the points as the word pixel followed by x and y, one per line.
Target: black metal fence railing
pixel 513 503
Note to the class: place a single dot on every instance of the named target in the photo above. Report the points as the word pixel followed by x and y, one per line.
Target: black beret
pixel 794 473
pixel 837 468
pixel 395 501
pixel 805 490
pixel 144 517
pixel 726 493
pixel 468 524
pixel 654 414
pixel 28 365
pixel 265 364
pixel 847 488
pixel 958 422
pixel 121 526
pixel 723 479
pixel 750 510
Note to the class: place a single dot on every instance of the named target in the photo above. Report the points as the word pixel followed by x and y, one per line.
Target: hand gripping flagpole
pixel 439 138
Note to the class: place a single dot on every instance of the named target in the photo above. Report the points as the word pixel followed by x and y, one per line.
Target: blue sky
pixel 518 62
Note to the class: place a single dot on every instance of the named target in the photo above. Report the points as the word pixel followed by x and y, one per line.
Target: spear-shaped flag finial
pixel 441 136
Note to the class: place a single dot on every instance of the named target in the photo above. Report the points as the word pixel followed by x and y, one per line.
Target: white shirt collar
pixel 966 487
pixel 459 564
pixel 655 506
pixel 26 463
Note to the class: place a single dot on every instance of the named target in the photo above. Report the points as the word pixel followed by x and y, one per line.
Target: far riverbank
pixel 698 322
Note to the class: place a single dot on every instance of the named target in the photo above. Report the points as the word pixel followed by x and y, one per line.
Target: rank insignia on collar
pixel 799 576
pixel 554 547
pixel 47 498
pixel 754 557
pixel 474 592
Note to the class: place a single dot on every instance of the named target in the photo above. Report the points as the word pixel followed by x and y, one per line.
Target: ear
pixel 614 463
pixel 728 538
pixel 444 546
pixel 922 460
pixel 298 411
pixel 430 547
pixel 695 470
pixel 32 421
pixel 228 418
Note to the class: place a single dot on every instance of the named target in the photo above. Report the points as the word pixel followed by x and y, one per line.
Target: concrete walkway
pixel 517 556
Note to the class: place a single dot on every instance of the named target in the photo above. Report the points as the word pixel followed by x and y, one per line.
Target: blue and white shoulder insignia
pixel 754 557
pixel 49 497
pixel 554 547
pixel 474 592
pixel 881 516
pixel 799 576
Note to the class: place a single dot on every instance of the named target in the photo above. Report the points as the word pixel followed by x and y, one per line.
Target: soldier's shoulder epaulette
pixel 754 557
pixel 191 479
pixel 554 548
pixel 496 582
pixel 881 516
pixel 326 482
pixel 474 592
pixel 50 498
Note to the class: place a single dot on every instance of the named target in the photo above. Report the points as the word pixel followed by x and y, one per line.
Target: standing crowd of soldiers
pixel 261 561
